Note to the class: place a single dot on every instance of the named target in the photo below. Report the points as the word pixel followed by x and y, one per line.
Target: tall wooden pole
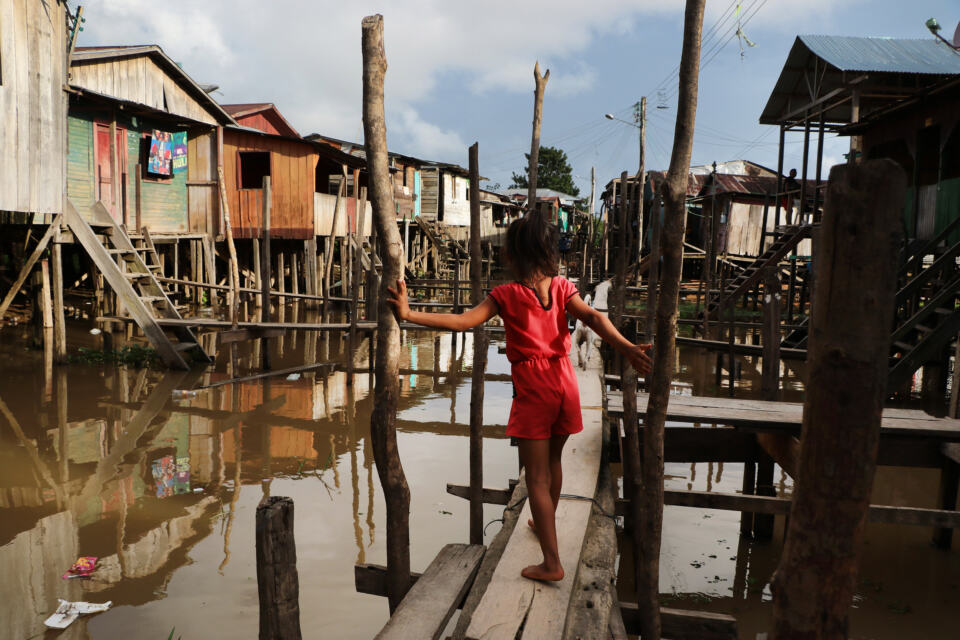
pixel 265 266
pixel 849 341
pixel 234 267
pixel 59 326
pixel 674 198
pixel 618 299
pixel 277 579
pixel 383 433
pixel 479 356
pixel 541 84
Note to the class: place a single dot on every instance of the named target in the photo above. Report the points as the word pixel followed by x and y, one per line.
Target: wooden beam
pixel 488 496
pixel 28 265
pixel 437 593
pixel 277 578
pixel 681 624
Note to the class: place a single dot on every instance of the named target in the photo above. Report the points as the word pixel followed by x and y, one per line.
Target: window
pixel 144 160
pixel 254 166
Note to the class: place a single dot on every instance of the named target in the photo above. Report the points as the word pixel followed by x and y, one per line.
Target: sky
pixel 462 72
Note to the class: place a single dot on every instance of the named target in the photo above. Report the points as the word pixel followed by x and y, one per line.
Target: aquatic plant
pixel 130 355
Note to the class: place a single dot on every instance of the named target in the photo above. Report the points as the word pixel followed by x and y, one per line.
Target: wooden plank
pixel 428 606
pixel 488 496
pixel 511 600
pixel 740 349
pixel 781 506
pixel 785 416
pixel 681 624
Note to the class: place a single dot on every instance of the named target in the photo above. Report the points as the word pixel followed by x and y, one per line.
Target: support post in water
pixel 541 84
pixel 265 266
pixel 277 579
pixel 383 433
pixel 770 380
pixel 479 356
pixel 848 363
pixel 664 359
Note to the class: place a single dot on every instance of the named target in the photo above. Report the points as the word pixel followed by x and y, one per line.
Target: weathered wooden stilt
pixel 265 265
pixel 277 580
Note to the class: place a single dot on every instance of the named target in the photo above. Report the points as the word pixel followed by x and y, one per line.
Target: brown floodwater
pixel 104 460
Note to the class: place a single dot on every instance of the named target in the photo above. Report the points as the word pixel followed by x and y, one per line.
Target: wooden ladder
pixel 790 238
pixel 134 282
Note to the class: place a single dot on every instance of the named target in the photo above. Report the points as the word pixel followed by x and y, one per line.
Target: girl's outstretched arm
pixel 452 321
pixel 601 325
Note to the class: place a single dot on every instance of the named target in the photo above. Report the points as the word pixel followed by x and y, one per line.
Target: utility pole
pixel 642 178
pixel 588 250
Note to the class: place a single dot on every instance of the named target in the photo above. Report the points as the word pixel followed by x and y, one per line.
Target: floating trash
pixel 293 377
pixel 67 612
pixel 95 331
pixel 82 568
pixel 183 393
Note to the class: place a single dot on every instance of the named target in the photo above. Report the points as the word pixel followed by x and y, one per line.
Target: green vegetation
pixel 553 172
pixel 130 355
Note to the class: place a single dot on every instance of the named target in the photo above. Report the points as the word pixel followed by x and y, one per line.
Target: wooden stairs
pixel 786 241
pixel 134 281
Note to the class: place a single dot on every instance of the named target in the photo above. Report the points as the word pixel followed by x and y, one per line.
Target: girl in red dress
pixel 546 405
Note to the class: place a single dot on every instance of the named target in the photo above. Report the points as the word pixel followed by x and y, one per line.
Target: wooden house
pixel 33 54
pixel 302 174
pixel 126 104
pixel 921 134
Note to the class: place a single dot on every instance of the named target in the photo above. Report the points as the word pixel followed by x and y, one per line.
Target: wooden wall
pixel 456 200
pixel 292 169
pixel 323 205
pixel 32 59
pixel 429 193
pixel 203 198
pixel 138 79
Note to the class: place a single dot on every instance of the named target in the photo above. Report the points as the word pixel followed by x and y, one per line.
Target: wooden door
pixel 111 193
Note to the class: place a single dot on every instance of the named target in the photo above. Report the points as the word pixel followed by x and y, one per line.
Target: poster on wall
pixel 180 152
pixel 160 153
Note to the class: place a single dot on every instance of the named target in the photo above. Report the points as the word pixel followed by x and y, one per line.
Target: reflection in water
pixel 76 478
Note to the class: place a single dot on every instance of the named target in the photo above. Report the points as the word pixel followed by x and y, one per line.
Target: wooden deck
pixel 785 417
pixel 510 601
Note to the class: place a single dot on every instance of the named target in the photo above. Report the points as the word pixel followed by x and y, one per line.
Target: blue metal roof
pixel 891 55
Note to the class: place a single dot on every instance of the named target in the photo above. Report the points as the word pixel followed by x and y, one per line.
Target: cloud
pixel 304 55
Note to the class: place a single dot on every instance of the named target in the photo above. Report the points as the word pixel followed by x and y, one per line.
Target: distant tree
pixel 553 172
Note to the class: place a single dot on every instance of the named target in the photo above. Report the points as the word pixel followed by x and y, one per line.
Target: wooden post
pixel 257 279
pixel 210 260
pixel 46 305
pixel 387 391
pixel 848 362
pixel 641 182
pixel 479 356
pixel 618 297
pixel 541 84
pixel 674 198
pixel 295 268
pixel 277 578
pixel 653 271
pixel 234 267
pixel 328 270
pixel 770 377
pixel 265 265
pixel 281 278
pixel 59 323
pixel 138 194
pixel 28 265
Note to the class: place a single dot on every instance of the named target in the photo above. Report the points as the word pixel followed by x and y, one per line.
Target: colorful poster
pixel 164 470
pixel 161 153
pixel 180 152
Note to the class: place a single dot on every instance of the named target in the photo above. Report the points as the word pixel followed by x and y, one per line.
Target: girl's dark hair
pixel 533 246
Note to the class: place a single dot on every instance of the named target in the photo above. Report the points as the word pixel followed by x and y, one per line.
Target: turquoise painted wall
pixel 80 183
pixel 163 203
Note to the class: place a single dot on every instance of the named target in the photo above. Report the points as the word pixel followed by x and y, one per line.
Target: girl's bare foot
pixel 543 572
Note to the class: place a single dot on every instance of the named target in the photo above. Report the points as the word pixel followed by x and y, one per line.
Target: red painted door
pixel 105 190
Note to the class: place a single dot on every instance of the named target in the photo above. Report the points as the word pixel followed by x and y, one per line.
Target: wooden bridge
pixel 485 582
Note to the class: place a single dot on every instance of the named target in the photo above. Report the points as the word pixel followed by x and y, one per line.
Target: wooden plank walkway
pixel 786 417
pixel 511 602
pixel 216 323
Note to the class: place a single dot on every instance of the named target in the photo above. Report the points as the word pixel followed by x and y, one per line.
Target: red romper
pixel 546 398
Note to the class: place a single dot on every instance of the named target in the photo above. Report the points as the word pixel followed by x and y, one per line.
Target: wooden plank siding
pixel 292 177
pixel 163 200
pixel 32 50
pixel 139 79
pixel 203 200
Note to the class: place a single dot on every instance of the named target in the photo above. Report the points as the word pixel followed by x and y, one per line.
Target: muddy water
pixel 907 588
pixel 104 461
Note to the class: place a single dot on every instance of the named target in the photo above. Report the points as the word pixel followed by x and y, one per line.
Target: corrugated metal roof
pixel 889 55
